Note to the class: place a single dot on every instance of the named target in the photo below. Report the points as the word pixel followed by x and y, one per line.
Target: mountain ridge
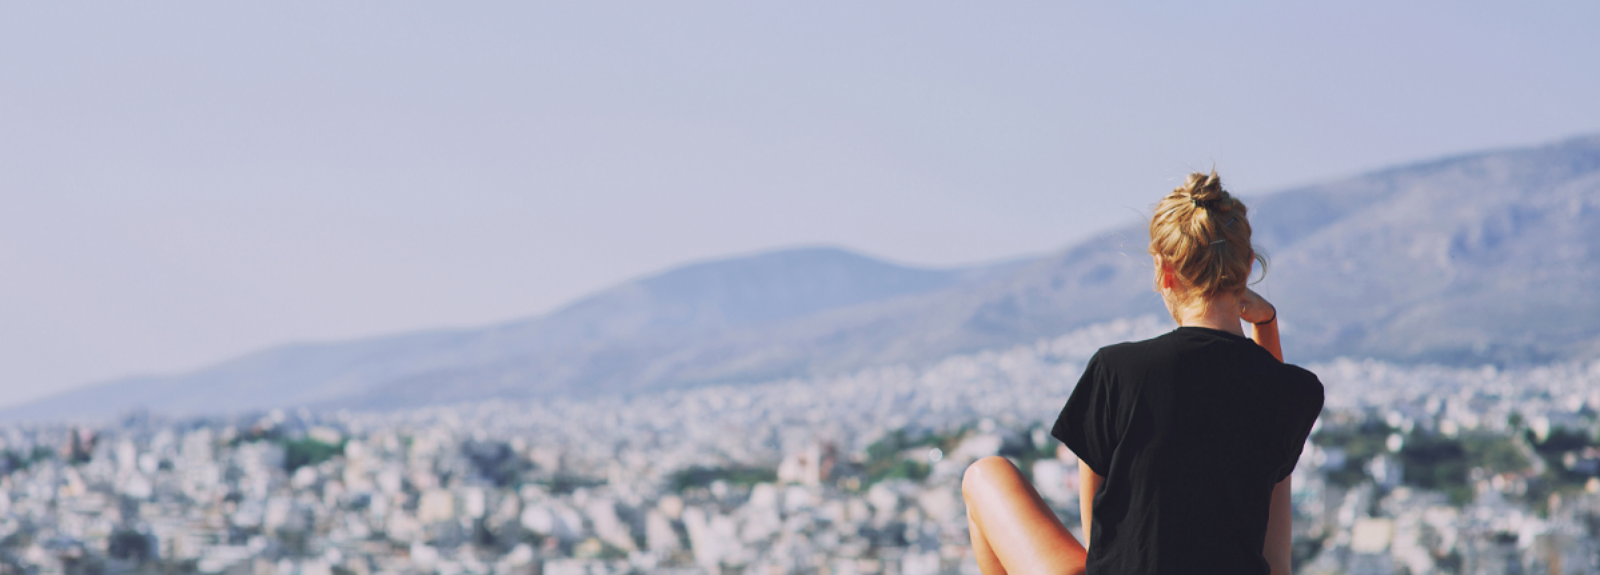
pixel 1482 257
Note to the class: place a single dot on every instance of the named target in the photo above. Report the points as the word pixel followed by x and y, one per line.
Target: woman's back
pixel 1190 431
pixel 1185 441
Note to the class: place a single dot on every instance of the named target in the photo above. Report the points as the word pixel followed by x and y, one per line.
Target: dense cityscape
pixel 1412 469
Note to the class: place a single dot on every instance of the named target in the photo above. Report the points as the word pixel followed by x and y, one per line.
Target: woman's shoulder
pixel 1301 376
pixel 1303 384
pixel 1178 345
pixel 1143 347
pixel 1129 354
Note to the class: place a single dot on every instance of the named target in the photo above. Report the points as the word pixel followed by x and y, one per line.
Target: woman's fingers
pixel 1253 308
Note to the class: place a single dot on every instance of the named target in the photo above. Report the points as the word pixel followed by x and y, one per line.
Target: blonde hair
pixel 1201 231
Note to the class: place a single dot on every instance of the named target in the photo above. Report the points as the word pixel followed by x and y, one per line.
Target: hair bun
pixel 1205 191
pixel 1203 233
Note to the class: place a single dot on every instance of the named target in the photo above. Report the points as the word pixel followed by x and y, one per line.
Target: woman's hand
pixel 1264 318
pixel 1255 309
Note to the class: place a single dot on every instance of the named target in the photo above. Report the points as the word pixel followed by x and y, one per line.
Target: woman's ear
pixel 1165 279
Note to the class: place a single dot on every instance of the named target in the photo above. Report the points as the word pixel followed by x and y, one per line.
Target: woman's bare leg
pixel 1013 531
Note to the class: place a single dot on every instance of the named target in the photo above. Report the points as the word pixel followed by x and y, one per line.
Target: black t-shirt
pixel 1191 431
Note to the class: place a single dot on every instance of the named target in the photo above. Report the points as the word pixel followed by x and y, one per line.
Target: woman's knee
pixel 987 472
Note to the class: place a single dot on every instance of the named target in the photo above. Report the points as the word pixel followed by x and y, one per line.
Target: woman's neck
pixel 1219 312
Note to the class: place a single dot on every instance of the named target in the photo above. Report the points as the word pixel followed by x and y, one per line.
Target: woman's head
pixel 1201 237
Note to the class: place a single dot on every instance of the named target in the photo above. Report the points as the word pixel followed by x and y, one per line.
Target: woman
pixel 1185 442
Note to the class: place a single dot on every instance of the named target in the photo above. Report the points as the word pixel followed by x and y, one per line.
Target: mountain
pixel 1487 257
pixel 1491 257
pixel 1482 258
pixel 593 343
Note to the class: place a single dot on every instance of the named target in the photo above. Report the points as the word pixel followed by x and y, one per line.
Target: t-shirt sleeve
pixel 1306 412
pixel 1087 424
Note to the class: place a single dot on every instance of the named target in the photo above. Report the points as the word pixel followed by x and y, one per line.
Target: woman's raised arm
pixel 1264 317
pixel 1276 549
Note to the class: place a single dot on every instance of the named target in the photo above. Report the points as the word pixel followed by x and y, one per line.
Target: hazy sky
pixel 185 182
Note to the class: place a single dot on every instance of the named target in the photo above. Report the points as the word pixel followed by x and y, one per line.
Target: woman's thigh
pixel 1013 526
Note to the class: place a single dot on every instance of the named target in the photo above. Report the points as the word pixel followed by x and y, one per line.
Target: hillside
pixel 1489 257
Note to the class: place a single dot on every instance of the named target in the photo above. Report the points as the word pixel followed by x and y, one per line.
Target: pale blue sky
pixel 184 182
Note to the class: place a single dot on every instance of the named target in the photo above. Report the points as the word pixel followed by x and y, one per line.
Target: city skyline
pixel 1411 469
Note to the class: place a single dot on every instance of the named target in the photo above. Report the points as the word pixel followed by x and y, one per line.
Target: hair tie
pixel 1197 202
pixel 1219 241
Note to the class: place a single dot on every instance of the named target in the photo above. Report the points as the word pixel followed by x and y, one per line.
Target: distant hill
pixel 1489 257
pixel 1484 258
pixel 1493 257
